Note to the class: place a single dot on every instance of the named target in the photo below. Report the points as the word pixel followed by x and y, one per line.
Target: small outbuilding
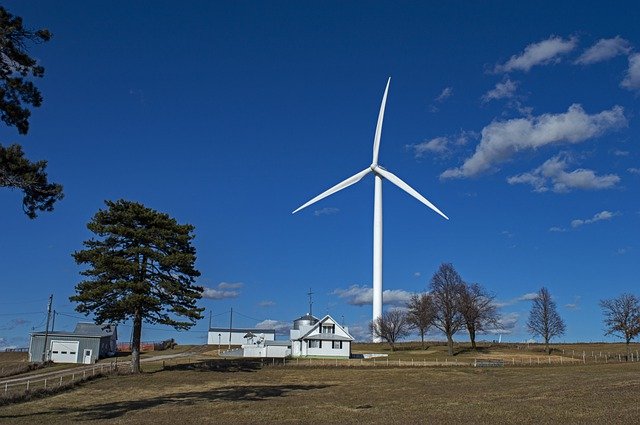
pixel 86 344
pixel 239 336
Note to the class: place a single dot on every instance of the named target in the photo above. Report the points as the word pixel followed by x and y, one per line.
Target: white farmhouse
pixel 311 337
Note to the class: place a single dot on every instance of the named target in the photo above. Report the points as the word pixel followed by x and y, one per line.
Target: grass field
pixel 592 393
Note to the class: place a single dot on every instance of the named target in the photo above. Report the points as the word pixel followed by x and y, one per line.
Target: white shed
pixel 239 336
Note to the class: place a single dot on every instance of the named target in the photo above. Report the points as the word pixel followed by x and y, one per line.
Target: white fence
pixel 20 386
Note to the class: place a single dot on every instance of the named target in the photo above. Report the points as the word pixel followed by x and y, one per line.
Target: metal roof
pixel 84 329
pixel 244 330
pixel 327 337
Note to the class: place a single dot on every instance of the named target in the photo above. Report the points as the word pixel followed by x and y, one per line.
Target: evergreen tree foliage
pixel 141 266
pixel 18 172
pixel 17 93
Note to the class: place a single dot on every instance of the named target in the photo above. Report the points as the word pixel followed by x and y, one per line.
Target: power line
pixel 23 313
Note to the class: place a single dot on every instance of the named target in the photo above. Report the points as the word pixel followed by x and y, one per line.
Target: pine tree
pixel 17 93
pixel 140 267
pixel 18 172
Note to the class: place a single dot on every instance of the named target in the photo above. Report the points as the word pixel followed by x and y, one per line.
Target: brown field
pixel 577 393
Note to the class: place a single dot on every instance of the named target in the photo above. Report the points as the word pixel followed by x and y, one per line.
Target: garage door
pixel 64 351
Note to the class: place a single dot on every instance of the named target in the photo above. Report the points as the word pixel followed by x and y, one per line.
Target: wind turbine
pixel 379 174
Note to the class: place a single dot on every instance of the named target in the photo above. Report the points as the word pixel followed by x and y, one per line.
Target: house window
pixel 328 329
pixel 314 343
pixel 337 345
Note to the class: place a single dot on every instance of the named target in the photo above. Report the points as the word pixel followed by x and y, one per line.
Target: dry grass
pixel 594 393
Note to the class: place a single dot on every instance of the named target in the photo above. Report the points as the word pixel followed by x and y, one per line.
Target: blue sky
pixel 519 121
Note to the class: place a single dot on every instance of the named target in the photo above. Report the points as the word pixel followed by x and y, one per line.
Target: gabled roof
pixel 85 329
pixel 244 330
pixel 88 328
pixel 327 336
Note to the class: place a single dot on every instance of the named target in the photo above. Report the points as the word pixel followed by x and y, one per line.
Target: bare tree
pixel 622 318
pixel 421 313
pixel 391 327
pixel 477 309
pixel 544 320
pixel 446 285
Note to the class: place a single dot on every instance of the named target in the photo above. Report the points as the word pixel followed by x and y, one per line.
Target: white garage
pixel 64 351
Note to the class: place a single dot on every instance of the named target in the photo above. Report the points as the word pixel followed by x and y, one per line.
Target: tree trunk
pixel 628 350
pixel 422 337
pixel 546 344
pixel 450 344
pixel 472 336
pixel 135 343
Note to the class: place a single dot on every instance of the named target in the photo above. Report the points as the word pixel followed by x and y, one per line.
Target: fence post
pixel 6 387
pixel 60 381
pixel 73 377
pixel 45 383
pixel 27 385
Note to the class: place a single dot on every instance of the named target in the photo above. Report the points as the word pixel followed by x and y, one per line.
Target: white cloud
pixel 633 170
pixel 552 176
pixel 437 145
pixel 506 324
pixel 632 79
pixel 503 90
pixel 4 344
pixel 266 303
pixel 446 93
pixel 542 53
pixel 603 215
pixel 360 332
pixel 362 295
pixel 224 290
pixel 604 49
pixel 326 211
pixel 530 296
pixel 417 274
pixel 619 152
pixel 557 229
pixel 503 139
pixel 575 305
pixel 280 326
pixel 228 285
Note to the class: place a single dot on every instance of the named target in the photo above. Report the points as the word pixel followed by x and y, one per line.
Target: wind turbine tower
pixel 379 174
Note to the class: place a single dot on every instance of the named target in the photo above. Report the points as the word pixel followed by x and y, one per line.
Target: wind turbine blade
pixel 402 185
pixel 345 183
pixel 376 139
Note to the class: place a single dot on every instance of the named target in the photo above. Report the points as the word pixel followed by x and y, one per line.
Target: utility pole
pixel 209 319
pixel 310 302
pixel 230 327
pixel 53 321
pixel 46 332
